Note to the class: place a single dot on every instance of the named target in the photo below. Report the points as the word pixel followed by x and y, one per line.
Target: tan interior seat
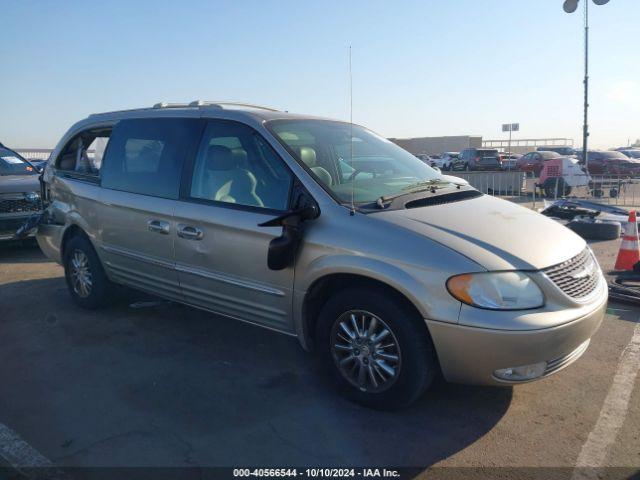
pixel 308 156
pixel 223 180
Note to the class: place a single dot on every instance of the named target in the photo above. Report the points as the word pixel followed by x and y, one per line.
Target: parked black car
pixel 19 192
pixel 477 159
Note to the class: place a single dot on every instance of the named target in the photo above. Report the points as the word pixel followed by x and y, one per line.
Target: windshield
pixel 11 164
pixel 632 153
pixel 379 168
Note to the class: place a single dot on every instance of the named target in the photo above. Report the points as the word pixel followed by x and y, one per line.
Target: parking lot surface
pixel 146 383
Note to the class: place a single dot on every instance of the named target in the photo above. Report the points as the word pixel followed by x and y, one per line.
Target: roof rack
pixel 211 104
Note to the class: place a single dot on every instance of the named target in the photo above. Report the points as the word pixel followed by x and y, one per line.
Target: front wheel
pixel 376 348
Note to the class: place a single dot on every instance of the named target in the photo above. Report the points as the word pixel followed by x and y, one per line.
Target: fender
pixel 376 269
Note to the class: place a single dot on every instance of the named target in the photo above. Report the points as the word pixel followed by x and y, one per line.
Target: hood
pixel 455 180
pixel 19 184
pixel 496 234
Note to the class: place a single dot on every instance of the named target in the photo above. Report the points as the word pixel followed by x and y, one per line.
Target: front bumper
pixel 49 237
pixel 9 224
pixel 470 355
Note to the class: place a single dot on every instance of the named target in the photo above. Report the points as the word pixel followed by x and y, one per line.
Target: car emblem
pixel 586 272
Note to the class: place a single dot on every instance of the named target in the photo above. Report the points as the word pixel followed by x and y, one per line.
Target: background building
pixel 437 145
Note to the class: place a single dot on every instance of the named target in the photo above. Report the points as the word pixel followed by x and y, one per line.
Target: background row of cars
pixel 622 161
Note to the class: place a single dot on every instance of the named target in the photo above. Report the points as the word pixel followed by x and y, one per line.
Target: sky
pixel 420 67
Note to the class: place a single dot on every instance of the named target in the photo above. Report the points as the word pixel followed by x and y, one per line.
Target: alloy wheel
pixel 366 351
pixel 81 278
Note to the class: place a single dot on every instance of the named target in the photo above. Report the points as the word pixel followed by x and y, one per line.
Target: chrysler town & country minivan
pixel 325 231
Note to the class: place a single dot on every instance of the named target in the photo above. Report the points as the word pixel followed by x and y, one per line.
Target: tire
pixel 596 230
pixel 80 255
pixel 414 369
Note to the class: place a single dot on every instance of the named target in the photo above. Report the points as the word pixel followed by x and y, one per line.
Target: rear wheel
pixel 87 283
pixel 376 348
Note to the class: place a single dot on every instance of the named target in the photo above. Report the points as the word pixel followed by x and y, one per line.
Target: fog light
pixel 519 374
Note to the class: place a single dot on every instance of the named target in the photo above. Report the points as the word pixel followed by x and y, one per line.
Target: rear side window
pixel 82 155
pixel 146 155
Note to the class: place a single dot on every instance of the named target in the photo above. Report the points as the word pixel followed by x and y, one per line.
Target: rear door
pixel 235 182
pixel 141 182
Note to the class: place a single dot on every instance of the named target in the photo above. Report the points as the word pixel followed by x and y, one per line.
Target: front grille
pixel 19 205
pixel 578 276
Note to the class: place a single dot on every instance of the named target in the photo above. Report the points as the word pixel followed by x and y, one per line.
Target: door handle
pixel 158 226
pixel 190 233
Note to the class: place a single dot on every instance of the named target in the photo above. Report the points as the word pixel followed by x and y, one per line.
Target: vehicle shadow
pixel 627 312
pixel 24 251
pixel 160 384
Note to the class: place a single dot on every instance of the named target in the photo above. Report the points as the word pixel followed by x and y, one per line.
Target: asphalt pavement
pixel 148 383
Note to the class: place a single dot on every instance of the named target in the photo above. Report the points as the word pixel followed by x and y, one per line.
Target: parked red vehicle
pixel 610 162
pixel 532 161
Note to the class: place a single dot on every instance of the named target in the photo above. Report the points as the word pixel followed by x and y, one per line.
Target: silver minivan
pixel 324 231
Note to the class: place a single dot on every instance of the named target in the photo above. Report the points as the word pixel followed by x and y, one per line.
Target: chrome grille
pixel 578 276
pixel 19 204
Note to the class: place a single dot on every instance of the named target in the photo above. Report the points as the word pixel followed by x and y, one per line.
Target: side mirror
pixel 282 249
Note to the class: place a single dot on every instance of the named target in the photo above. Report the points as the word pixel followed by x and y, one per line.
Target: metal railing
pixel 503 184
pixel 34 153
pixel 521 187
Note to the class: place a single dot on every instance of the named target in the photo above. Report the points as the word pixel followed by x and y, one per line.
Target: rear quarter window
pixel 145 156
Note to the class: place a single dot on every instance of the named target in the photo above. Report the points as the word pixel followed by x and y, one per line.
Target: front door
pixel 237 182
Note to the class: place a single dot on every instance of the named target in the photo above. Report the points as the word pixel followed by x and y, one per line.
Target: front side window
pixel 348 159
pixel 236 165
pixel 146 155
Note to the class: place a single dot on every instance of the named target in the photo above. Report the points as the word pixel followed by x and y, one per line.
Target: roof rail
pixel 171 105
pixel 203 103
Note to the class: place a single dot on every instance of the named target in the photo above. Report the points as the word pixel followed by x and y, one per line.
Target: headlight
pixel 496 291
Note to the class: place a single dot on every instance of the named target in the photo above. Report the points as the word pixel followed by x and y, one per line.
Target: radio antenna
pixel 352 211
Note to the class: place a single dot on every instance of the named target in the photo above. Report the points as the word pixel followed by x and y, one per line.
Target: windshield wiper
pixel 434 182
pixel 424 186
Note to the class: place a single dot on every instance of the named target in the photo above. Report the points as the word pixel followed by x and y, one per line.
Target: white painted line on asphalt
pixel 18 452
pixel 613 412
pixel 23 457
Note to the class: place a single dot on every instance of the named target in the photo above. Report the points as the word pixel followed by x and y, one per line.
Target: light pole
pixel 571 6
